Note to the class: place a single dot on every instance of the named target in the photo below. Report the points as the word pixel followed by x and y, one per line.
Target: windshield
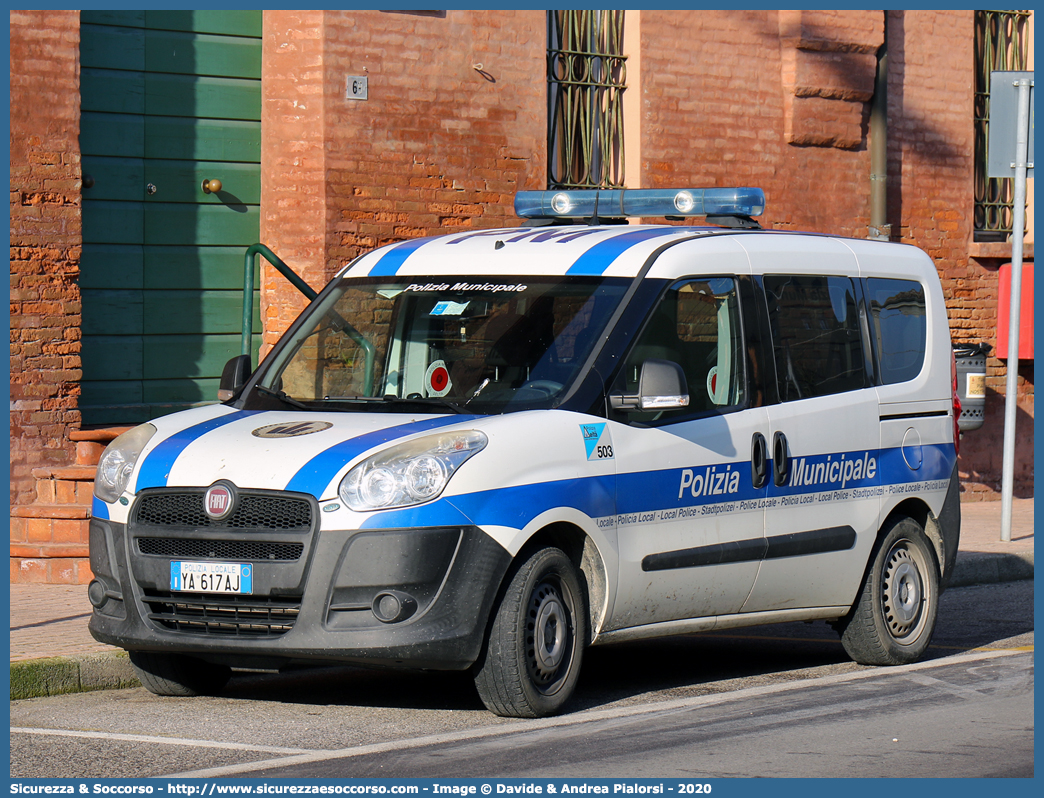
pixel 475 345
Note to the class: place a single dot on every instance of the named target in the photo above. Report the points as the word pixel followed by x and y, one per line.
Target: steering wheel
pixel 546 387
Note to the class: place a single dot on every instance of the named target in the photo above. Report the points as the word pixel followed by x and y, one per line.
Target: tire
pixel 893 619
pixel 534 647
pixel 178 674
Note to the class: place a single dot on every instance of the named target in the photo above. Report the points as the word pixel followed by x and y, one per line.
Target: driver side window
pixel 696 325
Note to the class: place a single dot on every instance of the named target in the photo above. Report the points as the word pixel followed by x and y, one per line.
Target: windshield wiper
pixel 477 391
pixel 282 396
pixel 432 400
pixel 392 399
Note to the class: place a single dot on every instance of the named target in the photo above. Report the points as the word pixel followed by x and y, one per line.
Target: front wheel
pixel 893 619
pixel 531 661
pixel 178 674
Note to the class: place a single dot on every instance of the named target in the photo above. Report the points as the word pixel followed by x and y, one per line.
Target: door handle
pixel 211 186
pixel 780 460
pixel 758 460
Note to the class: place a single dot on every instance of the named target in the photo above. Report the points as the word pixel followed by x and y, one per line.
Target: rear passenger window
pixel 900 322
pixel 816 339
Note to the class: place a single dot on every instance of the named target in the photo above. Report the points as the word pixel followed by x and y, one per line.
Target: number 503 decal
pixel 597 441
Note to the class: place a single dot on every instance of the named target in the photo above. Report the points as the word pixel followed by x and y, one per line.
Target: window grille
pixel 586 74
pixel 1001 40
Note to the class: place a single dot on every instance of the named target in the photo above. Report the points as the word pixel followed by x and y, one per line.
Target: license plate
pixel 212 577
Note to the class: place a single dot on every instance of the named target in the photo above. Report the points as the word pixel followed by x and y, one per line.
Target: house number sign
pixel 355 88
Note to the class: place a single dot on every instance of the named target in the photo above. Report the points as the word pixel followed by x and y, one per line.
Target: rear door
pixel 824 433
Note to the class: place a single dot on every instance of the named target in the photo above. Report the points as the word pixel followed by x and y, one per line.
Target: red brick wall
pixel 763 98
pixel 293 162
pixel 776 99
pixel 931 151
pixel 45 241
pixel 438 145
pixel 781 100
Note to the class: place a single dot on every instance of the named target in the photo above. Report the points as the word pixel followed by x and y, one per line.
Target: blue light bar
pixel 624 203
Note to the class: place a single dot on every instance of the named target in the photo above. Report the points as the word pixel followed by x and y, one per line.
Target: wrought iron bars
pixel 586 75
pixel 1001 43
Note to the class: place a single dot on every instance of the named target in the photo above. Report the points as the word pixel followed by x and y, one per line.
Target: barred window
pixel 1001 43
pixel 586 75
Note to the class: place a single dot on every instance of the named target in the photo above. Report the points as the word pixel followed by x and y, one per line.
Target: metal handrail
pixel 248 305
pixel 248 287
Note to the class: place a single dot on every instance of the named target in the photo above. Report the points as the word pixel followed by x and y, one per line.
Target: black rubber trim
pixel 796 544
pixel 818 541
pixel 716 554
pixel 931 414
pixel 950 527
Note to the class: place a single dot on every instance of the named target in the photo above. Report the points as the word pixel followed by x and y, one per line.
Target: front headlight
pixel 409 473
pixel 117 462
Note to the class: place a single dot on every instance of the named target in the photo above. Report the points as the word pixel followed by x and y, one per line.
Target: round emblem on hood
pixel 291 429
pixel 220 500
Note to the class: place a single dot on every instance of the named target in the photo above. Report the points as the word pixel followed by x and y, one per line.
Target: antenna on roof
pixel 593 221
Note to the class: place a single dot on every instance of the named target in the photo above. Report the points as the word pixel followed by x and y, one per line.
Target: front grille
pixel 238 616
pixel 221 549
pixel 253 511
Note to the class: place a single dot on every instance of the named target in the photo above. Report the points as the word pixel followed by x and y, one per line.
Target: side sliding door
pixel 824 432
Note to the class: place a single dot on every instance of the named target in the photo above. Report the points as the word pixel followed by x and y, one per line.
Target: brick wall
pixel 45 242
pixel 781 100
pixel 293 162
pixel 931 151
pixel 441 143
pixel 763 98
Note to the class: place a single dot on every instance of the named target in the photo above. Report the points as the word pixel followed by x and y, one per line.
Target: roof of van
pixel 575 250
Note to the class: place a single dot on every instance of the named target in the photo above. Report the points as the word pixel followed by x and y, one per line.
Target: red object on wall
pixel 1025 315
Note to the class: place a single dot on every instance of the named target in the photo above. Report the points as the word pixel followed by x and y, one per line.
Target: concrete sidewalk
pixel 52 652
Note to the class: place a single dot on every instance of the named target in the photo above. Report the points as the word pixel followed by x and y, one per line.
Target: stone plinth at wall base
pixel 51 570
pixel 49 537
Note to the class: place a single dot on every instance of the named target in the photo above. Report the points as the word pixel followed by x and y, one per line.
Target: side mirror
pixel 661 386
pixel 233 377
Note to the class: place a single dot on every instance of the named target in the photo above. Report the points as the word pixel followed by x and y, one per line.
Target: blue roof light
pixel 624 203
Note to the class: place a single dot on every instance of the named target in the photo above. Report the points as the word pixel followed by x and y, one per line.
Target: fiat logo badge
pixel 219 501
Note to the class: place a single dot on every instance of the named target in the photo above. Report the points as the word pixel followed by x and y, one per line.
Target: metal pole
pixel 1018 230
pixel 880 230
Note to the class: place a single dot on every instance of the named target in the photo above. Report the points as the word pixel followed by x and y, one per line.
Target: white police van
pixel 489 450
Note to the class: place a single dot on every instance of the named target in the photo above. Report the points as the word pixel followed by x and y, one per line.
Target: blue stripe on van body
pixel 602 255
pixel 511 507
pixel 316 474
pixel 99 509
pixel 629 494
pixel 155 471
pixel 396 255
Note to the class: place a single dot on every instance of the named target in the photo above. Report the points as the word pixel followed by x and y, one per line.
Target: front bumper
pixel 317 606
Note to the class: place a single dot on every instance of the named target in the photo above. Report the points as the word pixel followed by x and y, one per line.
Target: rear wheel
pixel 532 656
pixel 893 619
pixel 178 674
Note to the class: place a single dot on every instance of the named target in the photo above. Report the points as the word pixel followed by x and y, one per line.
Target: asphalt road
pixel 771 701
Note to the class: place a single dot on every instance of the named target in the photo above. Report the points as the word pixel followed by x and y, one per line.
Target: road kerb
pixel 983 568
pixel 36 678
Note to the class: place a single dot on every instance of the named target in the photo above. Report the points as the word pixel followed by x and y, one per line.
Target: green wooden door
pixel 168 99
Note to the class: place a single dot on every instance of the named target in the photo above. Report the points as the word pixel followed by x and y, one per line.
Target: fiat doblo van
pixel 492 449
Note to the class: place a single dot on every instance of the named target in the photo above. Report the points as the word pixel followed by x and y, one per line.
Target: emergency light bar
pixel 623 203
